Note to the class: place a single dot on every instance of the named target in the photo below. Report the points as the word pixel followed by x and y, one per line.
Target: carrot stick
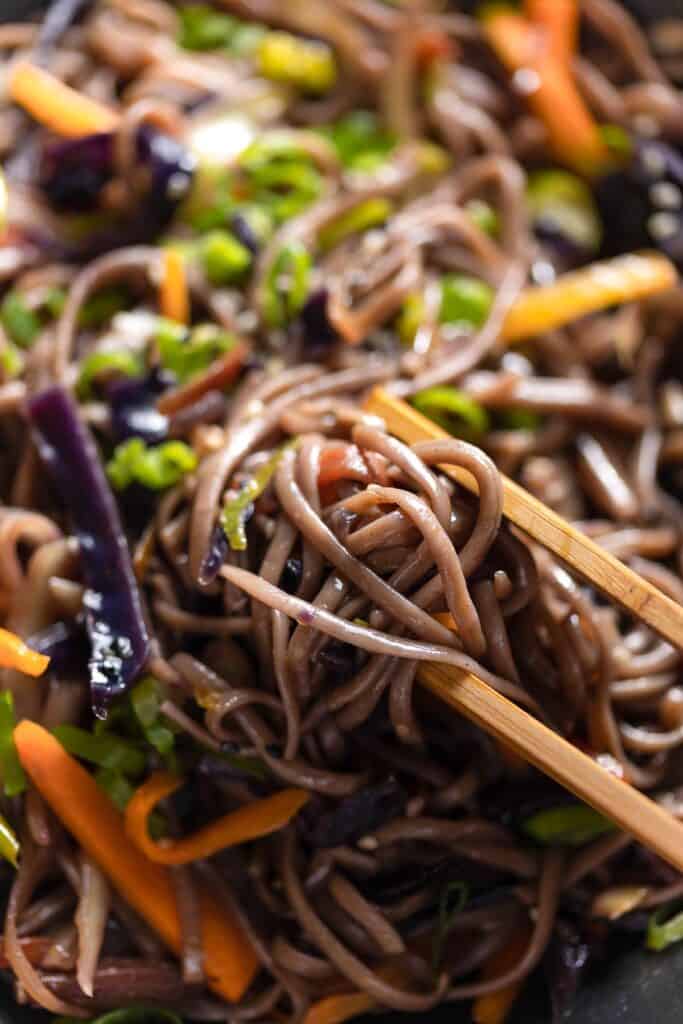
pixel 560 21
pixel 219 376
pixel 337 1009
pixel 494 1007
pixel 174 295
pixel 15 654
pixel 95 823
pixel 344 462
pixel 595 287
pixel 553 97
pixel 60 108
pixel 252 821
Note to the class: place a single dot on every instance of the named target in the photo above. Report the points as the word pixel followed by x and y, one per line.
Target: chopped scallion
pixel 452 409
pixel 305 63
pixel 367 214
pixel 568 825
pixel 287 284
pixel 465 300
pixel 224 258
pixel 21 324
pixel 97 365
pixel 155 468
pixel 13 777
pixel 665 927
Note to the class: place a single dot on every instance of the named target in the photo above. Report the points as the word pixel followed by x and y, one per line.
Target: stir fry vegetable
pixel 57 106
pixel 15 654
pixel 236 509
pixel 91 818
pixel 571 825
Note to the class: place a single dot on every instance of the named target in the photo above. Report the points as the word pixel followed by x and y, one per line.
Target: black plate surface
pixel 638 987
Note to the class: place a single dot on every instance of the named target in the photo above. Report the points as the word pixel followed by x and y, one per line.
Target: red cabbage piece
pixel 119 641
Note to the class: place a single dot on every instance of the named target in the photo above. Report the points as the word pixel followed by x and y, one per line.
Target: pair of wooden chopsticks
pixel 536 743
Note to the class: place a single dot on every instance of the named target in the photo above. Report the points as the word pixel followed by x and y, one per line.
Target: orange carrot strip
pixel 174 295
pixel 343 462
pixel 15 654
pixel 560 21
pixel 555 99
pixel 252 821
pixel 337 1009
pixel 494 1008
pixel 34 949
pixel 92 819
pixel 219 376
pixel 60 108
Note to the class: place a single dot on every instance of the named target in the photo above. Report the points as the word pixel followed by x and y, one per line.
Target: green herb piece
pixel 234 514
pixel 484 216
pixel 361 142
pixel 117 363
pixel 410 318
pixel 275 174
pixel 106 750
pixel 562 202
pixel 305 63
pixel 224 258
pixel 9 844
pixel 204 28
pixel 118 788
pixel 287 283
pixel 665 927
pixel 187 353
pixel 452 900
pixel 11 361
pixel 99 309
pixel 465 300
pixel 568 825
pixel 13 777
pixel 452 409
pixel 156 468
pixel 54 302
pixel 367 214
pixel 146 699
pixel 617 140
pixel 518 419
pixel 21 324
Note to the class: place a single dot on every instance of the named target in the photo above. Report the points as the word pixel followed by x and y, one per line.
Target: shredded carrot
pixel 494 1008
pixel 593 288
pixel 219 376
pixel 560 21
pixel 337 1009
pixel 174 295
pixel 88 814
pixel 252 821
pixel 60 108
pixel 432 44
pixel 544 51
pixel 15 654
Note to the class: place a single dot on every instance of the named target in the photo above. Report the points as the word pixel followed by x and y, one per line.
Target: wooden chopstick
pixel 581 554
pixel 628 808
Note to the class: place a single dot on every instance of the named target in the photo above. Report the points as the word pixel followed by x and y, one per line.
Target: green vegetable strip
pixel 155 468
pixel 120 362
pixel 233 516
pixel 663 930
pixel 9 844
pixel 570 825
pixel 287 284
pixel 13 778
pixel 20 323
pixel 106 750
pixel 368 214
pixel 453 410
pixel 465 300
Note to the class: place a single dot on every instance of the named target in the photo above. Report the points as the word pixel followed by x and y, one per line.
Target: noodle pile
pixel 294 563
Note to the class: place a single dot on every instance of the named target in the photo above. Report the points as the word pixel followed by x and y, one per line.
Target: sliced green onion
pixel 563 202
pixel 235 510
pixel 465 300
pixel 54 302
pixel 224 258
pixel 453 898
pixel 278 176
pixel 9 844
pixel 452 409
pixel 187 353
pixel 120 362
pixel 663 929
pixel 155 468
pixel 568 825
pixel 361 142
pixel 287 283
pixel 13 777
pixel 484 216
pixel 410 318
pixel 204 28
pixel 11 361
pixel 106 750
pixel 102 307
pixel 146 699
pixel 118 788
pixel 305 63
pixel 367 214
pixel 21 324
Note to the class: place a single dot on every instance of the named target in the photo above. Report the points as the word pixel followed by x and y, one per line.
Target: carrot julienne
pixel 494 1007
pixel 174 294
pixel 220 375
pixel 93 820
pixel 56 105
pixel 252 821
pixel 15 654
